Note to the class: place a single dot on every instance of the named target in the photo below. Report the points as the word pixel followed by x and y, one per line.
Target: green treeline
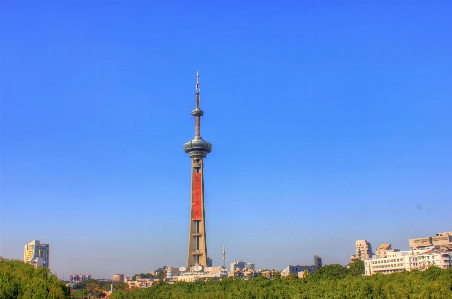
pixel 19 280
pixel 94 288
pixel 23 281
pixel 333 281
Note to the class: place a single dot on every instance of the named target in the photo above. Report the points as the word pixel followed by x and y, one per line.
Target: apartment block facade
pixel 398 261
pixel 363 250
pixel 440 240
pixel 74 278
pixel 37 254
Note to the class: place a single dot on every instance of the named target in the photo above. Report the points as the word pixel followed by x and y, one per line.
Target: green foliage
pixel 334 272
pixel 19 280
pixel 293 276
pixel 160 275
pixel 356 268
pixel 80 294
pixel 334 281
pixel 94 288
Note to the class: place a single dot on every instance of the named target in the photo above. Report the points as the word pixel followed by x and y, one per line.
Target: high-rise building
pixel 197 149
pixel 317 261
pixel 37 254
pixel 363 250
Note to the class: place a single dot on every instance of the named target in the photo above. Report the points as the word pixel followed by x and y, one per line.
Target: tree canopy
pixel 19 280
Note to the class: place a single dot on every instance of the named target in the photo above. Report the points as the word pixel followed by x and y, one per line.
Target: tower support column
pixel 197 247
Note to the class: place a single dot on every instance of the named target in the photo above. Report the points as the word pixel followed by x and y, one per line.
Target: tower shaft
pixel 197 246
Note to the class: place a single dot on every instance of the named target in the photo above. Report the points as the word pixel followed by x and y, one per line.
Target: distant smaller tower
pixel 224 257
pixel 317 261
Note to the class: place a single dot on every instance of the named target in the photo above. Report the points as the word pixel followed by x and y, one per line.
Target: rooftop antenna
pixel 197 109
pixel 224 257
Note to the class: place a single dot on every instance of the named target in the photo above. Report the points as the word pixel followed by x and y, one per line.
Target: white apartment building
pixel 195 276
pixel 399 261
pixel 37 254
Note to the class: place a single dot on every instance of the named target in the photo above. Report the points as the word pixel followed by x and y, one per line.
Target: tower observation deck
pixel 197 149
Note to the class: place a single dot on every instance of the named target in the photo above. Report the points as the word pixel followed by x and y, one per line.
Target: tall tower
pixel 197 149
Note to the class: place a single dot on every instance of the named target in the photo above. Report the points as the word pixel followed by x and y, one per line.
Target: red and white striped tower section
pixel 197 149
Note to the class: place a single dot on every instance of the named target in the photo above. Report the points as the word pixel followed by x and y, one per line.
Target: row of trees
pixel 94 288
pixel 19 280
pixel 332 281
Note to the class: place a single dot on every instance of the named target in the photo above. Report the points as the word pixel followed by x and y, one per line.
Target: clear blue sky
pixel 331 121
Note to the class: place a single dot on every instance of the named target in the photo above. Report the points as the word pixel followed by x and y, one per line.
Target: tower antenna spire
pixel 197 113
pixel 224 257
pixel 197 88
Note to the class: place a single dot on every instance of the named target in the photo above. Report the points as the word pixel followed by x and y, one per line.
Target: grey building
pixel 299 269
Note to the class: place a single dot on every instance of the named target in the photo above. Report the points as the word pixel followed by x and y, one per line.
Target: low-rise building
pixel 240 266
pixel 299 269
pixel 399 261
pixel 142 283
pixel 163 269
pixel 384 249
pixel 443 240
pixel 74 278
pixel 118 277
pixel 195 276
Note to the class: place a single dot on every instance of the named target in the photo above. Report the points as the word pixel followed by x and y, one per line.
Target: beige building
pixel 37 254
pixel 239 266
pixel 142 283
pixel 420 242
pixel 443 240
pixel 384 249
pixel 118 277
pixel 399 261
pixel 440 240
pixel 204 273
pixel 195 276
pixel 363 250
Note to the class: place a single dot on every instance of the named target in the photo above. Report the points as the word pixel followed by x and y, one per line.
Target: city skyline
pixel 331 124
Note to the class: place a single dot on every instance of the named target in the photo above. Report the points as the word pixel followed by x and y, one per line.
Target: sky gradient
pixel 330 122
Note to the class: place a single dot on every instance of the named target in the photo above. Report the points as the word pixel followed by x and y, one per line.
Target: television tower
pixel 197 149
pixel 224 257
